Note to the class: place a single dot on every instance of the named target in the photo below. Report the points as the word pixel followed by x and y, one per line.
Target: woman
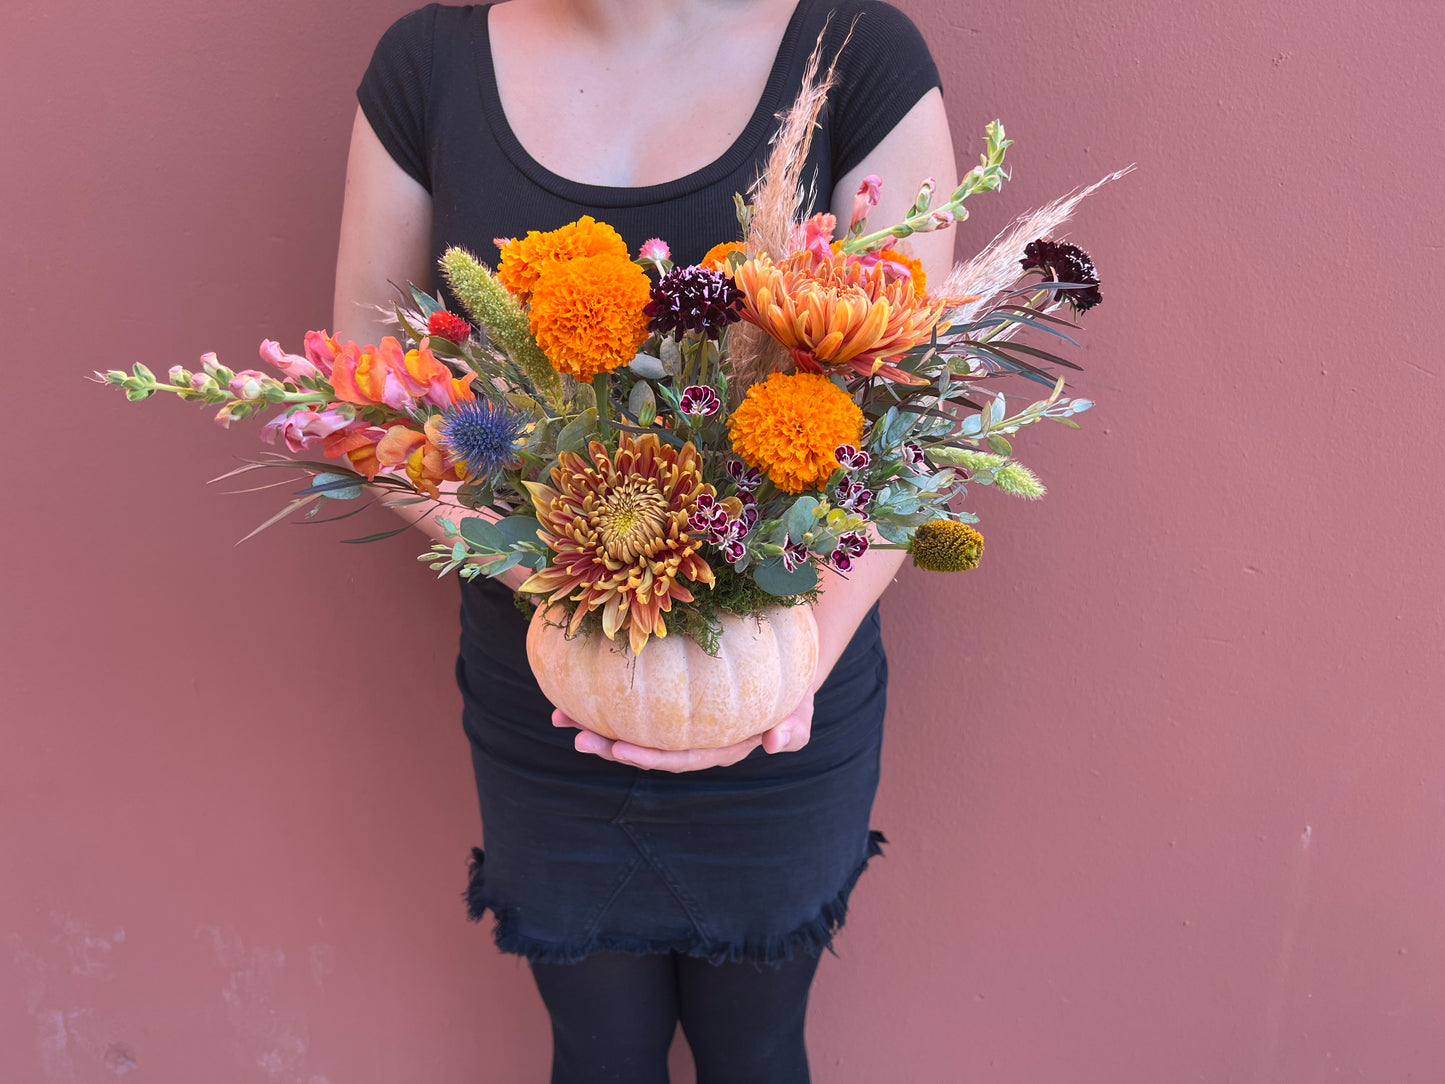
pixel 647 887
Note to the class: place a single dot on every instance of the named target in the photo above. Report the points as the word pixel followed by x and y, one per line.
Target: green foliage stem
pixel 491 305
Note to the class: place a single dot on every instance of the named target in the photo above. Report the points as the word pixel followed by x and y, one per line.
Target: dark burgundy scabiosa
pixel 448 326
pixel 1063 262
pixel 694 299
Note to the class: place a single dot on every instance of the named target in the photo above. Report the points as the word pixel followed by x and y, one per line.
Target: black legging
pixel 613 1017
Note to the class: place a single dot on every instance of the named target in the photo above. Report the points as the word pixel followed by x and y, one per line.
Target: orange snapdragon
pixel 384 375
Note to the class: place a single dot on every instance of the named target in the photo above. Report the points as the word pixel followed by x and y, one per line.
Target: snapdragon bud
pixel 214 368
pixel 249 384
pixel 925 196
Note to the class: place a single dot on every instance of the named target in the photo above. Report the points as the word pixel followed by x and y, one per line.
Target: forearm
pixel 845 601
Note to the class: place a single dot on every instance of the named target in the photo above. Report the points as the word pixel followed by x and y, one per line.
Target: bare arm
pixel 385 237
pixel 386 221
pixel 919 146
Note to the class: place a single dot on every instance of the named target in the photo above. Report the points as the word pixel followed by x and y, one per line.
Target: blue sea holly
pixel 483 435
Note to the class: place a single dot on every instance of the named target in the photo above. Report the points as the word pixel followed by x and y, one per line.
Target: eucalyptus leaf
pixel 670 354
pixel 584 398
pixel 339 487
pixel 800 518
pixel 775 579
pixel 573 437
pixel 496 568
pixel 641 397
pixel 516 529
pixel 1000 444
pixel 483 535
pixel 645 365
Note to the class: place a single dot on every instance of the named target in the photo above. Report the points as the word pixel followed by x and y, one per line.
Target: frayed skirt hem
pixel 811 938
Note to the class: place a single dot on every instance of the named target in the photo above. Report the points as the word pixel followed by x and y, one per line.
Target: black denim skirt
pixel 753 861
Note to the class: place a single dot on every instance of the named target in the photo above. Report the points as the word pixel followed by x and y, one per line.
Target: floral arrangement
pixel 662 444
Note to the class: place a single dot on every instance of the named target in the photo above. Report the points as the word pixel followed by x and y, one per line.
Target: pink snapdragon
pixel 303 428
pixel 865 199
pixel 321 350
pixel 293 365
pixel 815 236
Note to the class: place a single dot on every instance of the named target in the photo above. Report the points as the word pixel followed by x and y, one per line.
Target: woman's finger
pixel 588 741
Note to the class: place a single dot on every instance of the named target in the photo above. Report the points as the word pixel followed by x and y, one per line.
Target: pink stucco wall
pixel 1165 778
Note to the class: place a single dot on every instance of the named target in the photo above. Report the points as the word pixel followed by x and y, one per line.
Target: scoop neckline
pixel 756 131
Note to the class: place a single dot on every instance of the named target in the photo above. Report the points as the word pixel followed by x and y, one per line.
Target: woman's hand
pixel 788 736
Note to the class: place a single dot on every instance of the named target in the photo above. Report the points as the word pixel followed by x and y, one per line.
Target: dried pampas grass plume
pixel 778 198
pixel 996 268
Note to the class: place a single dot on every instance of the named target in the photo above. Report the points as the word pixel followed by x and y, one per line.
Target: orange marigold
pixel 717 257
pixel 789 425
pixel 523 261
pixel 588 313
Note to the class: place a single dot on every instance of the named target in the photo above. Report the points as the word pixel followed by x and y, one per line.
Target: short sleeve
pixel 882 73
pixel 393 92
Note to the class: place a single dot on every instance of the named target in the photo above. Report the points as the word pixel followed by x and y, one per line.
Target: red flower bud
pixel 449 326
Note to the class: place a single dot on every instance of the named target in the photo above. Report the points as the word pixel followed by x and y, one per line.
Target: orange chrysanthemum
pixel 618 531
pixel 588 313
pixel 717 257
pixel 831 312
pixel 789 425
pixel 524 260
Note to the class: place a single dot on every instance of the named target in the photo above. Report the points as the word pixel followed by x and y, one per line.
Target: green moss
pixel 701 620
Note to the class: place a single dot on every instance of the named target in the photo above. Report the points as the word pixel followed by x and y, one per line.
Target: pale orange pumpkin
pixel 674 695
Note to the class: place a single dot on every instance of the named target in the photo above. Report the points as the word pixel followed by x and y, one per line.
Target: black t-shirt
pixel 431 97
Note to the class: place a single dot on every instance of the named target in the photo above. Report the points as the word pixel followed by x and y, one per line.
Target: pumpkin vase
pixel 674 695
